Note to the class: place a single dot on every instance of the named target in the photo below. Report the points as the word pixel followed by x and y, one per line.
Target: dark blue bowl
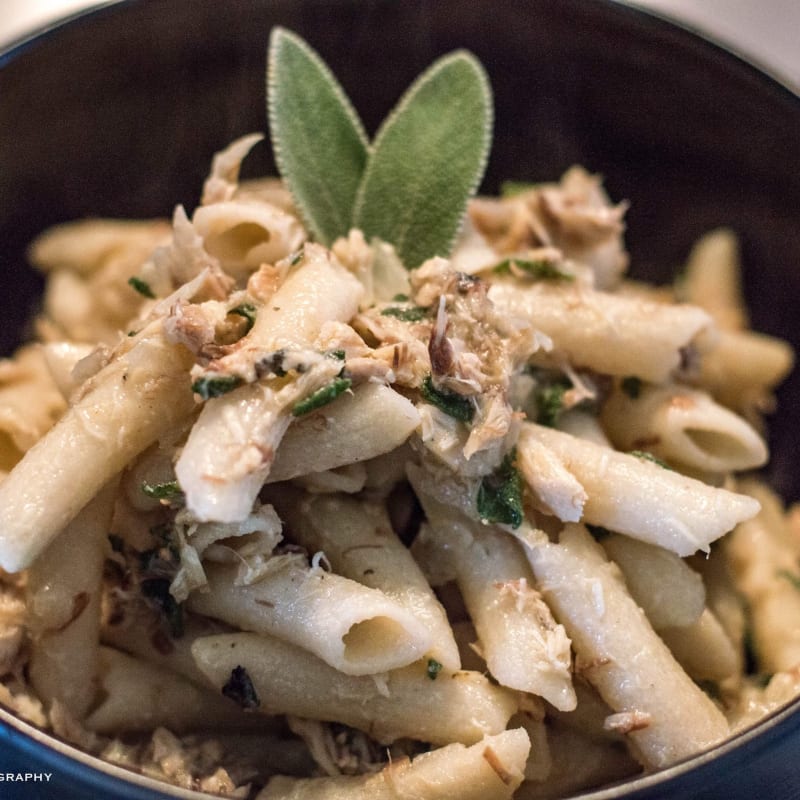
pixel 117 113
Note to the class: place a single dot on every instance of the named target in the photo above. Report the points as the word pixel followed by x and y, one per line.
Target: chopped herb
pixel 143 287
pixel 273 364
pixel 539 269
pixel 248 311
pixel 645 456
pixel 162 491
pixel 297 257
pixel 500 495
pixel 632 386
pixel 240 689
pixel 400 298
pixel 514 188
pixel 216 386
pixel 434 668
pixel 157 591
pixel 412 314
pixel 322 396
pixel 792 577
pixel 550 403
pixel 454 405
pixel 339 355
pixel 599 532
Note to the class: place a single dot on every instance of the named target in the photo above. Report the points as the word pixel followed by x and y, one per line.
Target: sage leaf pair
pixel 410 186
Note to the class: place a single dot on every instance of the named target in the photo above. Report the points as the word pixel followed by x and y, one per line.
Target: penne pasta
pixel 457 707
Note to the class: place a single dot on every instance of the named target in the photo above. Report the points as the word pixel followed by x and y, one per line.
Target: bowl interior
pixel 118 113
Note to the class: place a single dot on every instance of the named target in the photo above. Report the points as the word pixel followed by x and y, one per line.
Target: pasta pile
pixel 283 521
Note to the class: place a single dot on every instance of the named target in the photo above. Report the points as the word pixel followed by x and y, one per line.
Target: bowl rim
pixel 763 732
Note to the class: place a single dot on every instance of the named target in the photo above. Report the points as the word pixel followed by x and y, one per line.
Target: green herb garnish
pixel 240 689
pixel 411 314
pixel 248 311
pixel 143 287
pixel 645 456
pixel 632 386
pixel 411 185
pixel 322 396
pixel 400 298
pixel 162 491
pixel 433 669
pixel 500 495
pixel 338 355
pixel 215 386
pixel 550 403
pixel 539 269
pixel 454 405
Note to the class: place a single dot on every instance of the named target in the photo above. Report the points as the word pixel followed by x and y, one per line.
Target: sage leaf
pixel 318 139
pixel 427 159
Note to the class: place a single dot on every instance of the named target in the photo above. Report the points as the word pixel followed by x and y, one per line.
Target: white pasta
pixel 295 511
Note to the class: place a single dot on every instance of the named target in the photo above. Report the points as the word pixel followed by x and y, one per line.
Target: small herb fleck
pixel 400 298
pixel 162 491
pixel 539 269
pixel 240 689
pixel 454 405
pixel 322 396
pixel 500 494
pixel 248 311
pixel 632 386
pixel 550 403
pixel 297 257
pixel 433 669
pixel 411 314
pixel 339 355
pixel 143 287
pixel 215 386
pixel 645 456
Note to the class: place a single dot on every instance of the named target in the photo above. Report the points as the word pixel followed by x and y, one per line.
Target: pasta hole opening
pixel 234 245
pixel 373 638
pixel 717 444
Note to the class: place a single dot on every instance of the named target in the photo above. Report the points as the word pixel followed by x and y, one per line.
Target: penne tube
pixel 712 279
pixel 641 499
pixel 491 769
pixel 523 646
pixel 358 541
pixel 84 246
pixel 683 426
pixel 743 367
pixel 373 420
pixel 64 596
pixel 662 711
pixel 232 445
pixel 354 628
pixel 666 588
pixel 457 707
pixel 141 396
pixel 137 696
pixel 764 563
pixel 611 334
pixel 704 649
pixel 242 235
